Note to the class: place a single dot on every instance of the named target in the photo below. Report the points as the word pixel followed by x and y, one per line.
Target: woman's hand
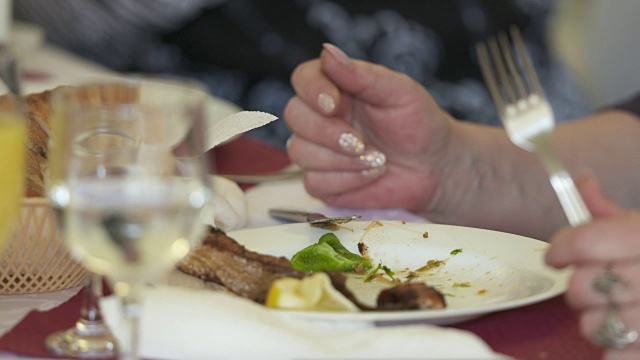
pixel 364 135
pixel 610 241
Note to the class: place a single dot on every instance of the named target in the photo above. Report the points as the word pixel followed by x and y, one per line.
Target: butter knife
pixel 309 217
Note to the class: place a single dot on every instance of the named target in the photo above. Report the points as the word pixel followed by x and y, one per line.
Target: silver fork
pixel 526 114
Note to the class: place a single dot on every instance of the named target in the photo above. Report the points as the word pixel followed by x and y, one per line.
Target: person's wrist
pixel 453 169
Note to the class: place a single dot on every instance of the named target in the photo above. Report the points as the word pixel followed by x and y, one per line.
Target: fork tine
pixel 507 78
pixel 499 64
pixel 529 70
pixel 514 70
pixel 489 77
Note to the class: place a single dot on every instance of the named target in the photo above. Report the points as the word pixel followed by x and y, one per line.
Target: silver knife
pixel 309 217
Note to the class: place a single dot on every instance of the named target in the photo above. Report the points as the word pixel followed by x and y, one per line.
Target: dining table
pixel 544 330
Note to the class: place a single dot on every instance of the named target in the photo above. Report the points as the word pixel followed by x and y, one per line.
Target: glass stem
pixel 132 311
pixel 90 299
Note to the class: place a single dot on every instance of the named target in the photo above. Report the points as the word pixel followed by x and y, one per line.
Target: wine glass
pixel 129 180
pixel 12 163
pixel 90 337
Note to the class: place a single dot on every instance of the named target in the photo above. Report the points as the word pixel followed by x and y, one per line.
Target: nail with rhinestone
pixel 326 103
pixel 350 143
pixel 373 172
pixel 373 158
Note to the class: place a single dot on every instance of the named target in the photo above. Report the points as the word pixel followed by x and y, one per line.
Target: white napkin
pixel 235 124
pixel 188 324
pixel 229 205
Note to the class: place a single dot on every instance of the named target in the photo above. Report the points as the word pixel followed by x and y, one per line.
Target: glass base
pixel 88 340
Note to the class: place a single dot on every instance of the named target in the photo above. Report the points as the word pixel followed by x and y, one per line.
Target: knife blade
pixel 309 217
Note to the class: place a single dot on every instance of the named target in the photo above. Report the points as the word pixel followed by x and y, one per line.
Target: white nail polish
pixel 326 103
pixel 351 143
pixel 373 158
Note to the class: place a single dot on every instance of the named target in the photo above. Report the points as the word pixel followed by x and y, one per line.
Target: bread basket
pixel 35 259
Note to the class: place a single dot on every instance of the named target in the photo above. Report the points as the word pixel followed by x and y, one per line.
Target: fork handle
pixel 570 199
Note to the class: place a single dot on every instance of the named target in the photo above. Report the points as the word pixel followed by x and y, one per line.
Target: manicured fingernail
pixel 326 103
pixel 351 143
pixel 288 142
pixel 374 172
pixel 373 158
pixel 337 54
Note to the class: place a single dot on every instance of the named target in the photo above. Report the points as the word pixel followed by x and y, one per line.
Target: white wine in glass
pixel 129 181
pixel 12 165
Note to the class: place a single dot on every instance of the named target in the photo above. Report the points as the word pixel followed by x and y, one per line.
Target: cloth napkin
pixel 229 204
pixel 228 209
pixel 13 308
pixel 189 324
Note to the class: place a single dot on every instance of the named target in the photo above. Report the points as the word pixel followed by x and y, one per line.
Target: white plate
pixel 503 271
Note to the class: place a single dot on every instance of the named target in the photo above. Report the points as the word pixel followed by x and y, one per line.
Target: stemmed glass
pixel 129 181
pixel 90 337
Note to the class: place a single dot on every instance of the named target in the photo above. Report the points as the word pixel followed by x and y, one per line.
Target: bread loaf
pixel 39 112
pixel 38 109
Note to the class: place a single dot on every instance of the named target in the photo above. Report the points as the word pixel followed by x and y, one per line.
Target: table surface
pixel 547 330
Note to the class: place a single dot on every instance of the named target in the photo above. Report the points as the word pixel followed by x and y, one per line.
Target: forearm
pixel 491 183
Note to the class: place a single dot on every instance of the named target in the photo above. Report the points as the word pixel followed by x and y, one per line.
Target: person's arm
pixel 508 189
pixel 414 155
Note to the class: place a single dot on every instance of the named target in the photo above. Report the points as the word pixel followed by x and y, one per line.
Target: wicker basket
pixel 36 260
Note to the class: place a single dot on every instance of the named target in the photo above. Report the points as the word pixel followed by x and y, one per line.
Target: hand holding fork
pixel 527 115
pixel 529 121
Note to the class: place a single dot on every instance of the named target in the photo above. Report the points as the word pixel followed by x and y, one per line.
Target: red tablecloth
pixel 548 330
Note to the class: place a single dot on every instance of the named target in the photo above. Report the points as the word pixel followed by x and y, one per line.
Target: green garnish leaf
pixel 388 271
pixel 456 251
pixel 373 272
pixel 328 255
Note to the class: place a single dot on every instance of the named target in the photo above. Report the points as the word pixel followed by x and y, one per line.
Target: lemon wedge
pixel 311 293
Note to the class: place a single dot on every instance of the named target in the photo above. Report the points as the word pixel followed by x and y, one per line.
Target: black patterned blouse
pixel 245 50
pixel 632 105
